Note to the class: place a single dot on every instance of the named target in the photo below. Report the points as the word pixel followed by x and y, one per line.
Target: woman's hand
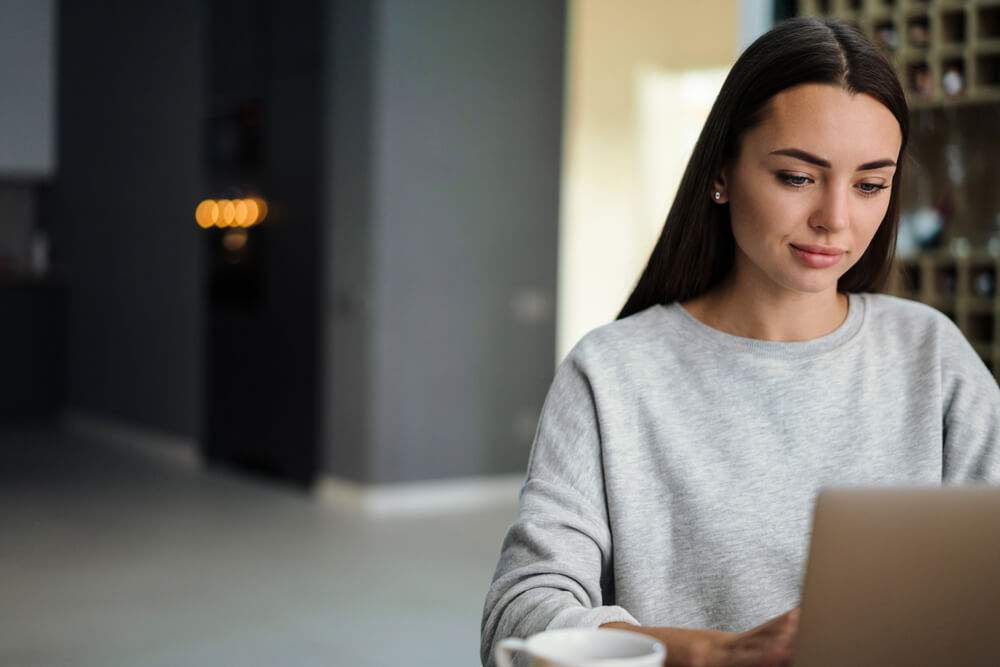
pixel 767 645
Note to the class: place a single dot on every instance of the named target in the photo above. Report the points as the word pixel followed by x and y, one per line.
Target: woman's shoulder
pixel 637 338
pixel 626 354
pixel 893 312
pixel 898 306
pixel 914 325
pixel 635 331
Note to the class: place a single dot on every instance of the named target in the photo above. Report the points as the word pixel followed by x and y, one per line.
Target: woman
pixel 672 480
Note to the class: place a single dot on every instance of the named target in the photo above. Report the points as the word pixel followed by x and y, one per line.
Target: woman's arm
pixel 555 563
pixel 767 645
pixel 971 414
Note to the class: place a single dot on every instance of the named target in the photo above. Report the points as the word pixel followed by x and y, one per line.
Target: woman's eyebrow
pixel 802 155
pixel 877 164
pixel 820 162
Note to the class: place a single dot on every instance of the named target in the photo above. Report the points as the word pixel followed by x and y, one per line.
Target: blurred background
pixel 283 286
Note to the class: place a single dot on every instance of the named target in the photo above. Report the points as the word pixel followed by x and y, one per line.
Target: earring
pixel 718 195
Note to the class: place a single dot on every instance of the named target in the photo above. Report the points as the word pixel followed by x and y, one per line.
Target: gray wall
pixel 27 79
pixel 27 120
pixel 121 208
pixel 443 262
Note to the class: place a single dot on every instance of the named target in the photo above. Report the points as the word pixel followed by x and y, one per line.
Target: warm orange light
pixel 262 206
pixel 241 212
pixel 230 212
pixel 234 240
pixel 203 214
pixel 253 211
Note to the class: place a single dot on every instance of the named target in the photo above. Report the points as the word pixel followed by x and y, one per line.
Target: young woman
pixel 672 479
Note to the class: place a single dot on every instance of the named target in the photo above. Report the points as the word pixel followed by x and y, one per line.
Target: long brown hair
pixel 696 249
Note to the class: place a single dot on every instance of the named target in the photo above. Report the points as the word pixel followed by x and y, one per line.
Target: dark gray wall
pixel 121 208
pixel 18 215
pixel 444 261
pixel 347 272
pixel 263 361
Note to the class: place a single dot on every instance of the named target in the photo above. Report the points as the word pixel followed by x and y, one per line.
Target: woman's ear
pixel 720 195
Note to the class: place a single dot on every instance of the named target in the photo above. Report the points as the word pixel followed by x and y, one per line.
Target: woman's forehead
pixel 829 121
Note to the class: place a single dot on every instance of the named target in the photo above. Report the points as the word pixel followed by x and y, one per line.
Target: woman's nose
pixel 831 212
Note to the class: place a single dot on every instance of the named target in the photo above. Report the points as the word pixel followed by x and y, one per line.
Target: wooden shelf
pixel 931 43
pixel 984 350
pixel 979 305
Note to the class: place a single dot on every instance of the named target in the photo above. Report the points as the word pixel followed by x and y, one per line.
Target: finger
pixel 781 653
pixel 791 627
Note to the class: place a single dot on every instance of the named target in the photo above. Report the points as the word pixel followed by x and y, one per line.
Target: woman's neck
pixel 781 317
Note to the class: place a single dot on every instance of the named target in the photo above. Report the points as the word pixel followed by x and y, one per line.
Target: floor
pixel 111 555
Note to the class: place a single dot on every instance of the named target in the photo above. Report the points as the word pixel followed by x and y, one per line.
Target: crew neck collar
pixel 723 341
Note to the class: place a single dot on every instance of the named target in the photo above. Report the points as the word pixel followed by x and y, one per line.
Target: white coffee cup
pixel 601 647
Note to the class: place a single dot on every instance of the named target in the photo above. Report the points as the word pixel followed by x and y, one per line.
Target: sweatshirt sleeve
pixel 555 562
pixel 971 415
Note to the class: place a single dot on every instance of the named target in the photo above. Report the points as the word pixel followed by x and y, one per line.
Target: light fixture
pixel 230 212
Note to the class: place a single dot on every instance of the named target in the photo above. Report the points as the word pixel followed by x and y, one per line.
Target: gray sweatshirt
pixel 675 467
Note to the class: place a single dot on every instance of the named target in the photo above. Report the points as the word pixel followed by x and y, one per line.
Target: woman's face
pixel 809 189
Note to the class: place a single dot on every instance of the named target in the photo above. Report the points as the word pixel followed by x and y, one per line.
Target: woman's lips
pixel 816 256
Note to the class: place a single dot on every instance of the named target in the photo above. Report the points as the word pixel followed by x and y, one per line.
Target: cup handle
pixel 505 649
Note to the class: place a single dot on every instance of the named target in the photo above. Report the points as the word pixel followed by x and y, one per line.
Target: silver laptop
pixel 902 577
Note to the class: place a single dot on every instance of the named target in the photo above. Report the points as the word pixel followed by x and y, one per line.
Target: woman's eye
pixel 871 188
pixel 791 179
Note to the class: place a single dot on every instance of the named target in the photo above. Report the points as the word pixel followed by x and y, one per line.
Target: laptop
pixel 902 577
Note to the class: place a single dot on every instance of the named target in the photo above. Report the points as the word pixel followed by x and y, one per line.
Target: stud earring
pixel 718 195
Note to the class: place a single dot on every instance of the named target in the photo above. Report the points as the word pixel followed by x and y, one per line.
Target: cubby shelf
pixel 946 52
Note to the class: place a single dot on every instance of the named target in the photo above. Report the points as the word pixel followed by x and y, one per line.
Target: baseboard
pixel 431 497
pixel 146 441
pixel 382 500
